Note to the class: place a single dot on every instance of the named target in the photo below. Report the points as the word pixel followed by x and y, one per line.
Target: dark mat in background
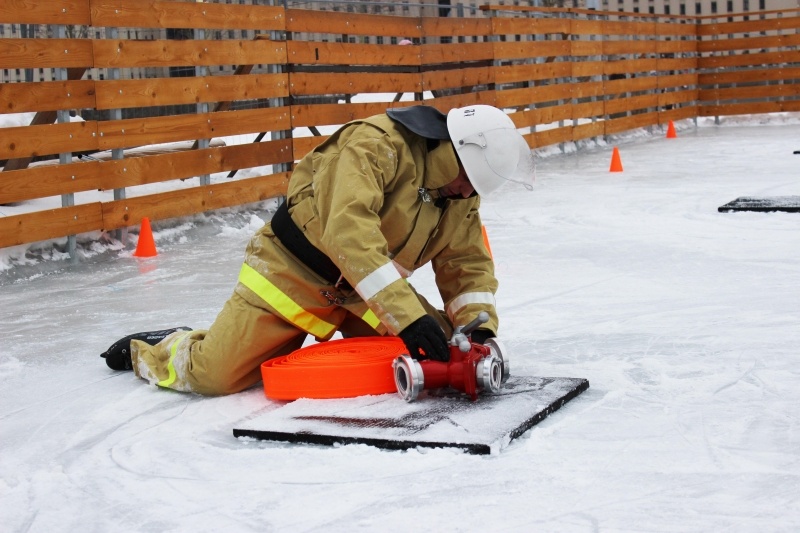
pixel 439 419
pixel 789 204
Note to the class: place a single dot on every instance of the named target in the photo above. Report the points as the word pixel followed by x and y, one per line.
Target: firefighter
pixel 377 200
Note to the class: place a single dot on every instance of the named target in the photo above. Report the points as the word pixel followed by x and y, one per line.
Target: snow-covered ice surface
pixel 686 322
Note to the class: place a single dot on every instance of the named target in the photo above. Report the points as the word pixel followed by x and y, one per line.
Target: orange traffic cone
pixel 146 247
pixel 616 162
pixel 671 131
pixel 486 241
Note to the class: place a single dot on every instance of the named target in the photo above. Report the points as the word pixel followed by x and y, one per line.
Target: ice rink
pixel 685 321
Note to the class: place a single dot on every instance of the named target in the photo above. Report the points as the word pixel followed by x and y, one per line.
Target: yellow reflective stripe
pixel 284 305
pixel 371 318
pixel 171 364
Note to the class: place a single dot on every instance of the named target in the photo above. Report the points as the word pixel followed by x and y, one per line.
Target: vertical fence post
pixel 599 59
pixel 492 38
pixel 117 153
pixel 202 107
pixel 281 102
pixel 716 85
pixel 561 145
pixel 65 158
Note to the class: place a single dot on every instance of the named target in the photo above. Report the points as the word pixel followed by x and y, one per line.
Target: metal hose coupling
pixel 472 368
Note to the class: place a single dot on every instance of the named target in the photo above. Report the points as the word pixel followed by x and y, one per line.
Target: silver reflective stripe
pixel 486 298
pixel 379 279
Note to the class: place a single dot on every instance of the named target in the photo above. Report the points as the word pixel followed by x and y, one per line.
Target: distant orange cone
pixel 616 162
pixel 671 131
pixel 146 247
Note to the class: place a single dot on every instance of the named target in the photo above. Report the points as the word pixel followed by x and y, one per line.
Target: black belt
pixel 296 242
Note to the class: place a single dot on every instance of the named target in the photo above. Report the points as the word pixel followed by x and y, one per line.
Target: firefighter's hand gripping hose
pixel 425 339
pixel 472 367
pixel 379 365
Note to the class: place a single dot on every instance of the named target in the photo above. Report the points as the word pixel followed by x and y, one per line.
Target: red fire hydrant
pixel 472 367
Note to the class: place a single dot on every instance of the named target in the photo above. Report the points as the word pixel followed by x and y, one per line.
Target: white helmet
pixel 490 148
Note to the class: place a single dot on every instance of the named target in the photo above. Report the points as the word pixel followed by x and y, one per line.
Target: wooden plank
pixel 686 63
pixel 48 180
pixel 547 115
pixel 343 23
pixel 532 72
pixel 114 53
pixel 46 96
pixel 761 92
pixel 629 85
pixel 749 26
pixel 677 80
pixel 585 48
pixel 750 108
pixel 641 120
pixel 529 26
pixel 676 47
pixel 631 103
pixel 586 27
pixel 631 66
pixel 552 136
pixel 456 27
pixel 586 110
pixel 134 171
pixel 316 53
pixel 747 60
pixel 44 12
pixel 677 97
pixel 117 94
pixel 628 27
pixel 353 83
pixel 588 68
pixel 156 130
pixel 749 43
pixel 336 114
pixel 681 28
pixel 588 130
pixel 749 76
pixel 166 14
pixel 45 53
pixel 645 46
pixel 39 119
pixel 193 200
pixel 677 113
pixel 49 224
pixel 531 49
pixel 465 77
pixel 533 95
pixel 26 141
pixel 588 89
pixel 433 54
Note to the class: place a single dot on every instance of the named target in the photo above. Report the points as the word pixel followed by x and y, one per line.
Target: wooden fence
pixel 266 84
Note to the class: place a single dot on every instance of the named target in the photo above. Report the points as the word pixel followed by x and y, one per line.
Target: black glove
pixel 425 335
pixel 479 336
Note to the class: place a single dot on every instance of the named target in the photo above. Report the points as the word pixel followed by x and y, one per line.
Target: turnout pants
pixel 276 304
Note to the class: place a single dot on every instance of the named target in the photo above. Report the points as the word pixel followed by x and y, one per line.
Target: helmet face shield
pixel 509 156
pixel 490 148
pixel 494 156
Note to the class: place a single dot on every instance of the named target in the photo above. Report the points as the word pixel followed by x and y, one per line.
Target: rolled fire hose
pixel 335 369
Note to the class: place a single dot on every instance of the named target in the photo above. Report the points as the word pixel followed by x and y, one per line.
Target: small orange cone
pixel 616 162
pixel 486 241
pixel 671 131
pixel 146 247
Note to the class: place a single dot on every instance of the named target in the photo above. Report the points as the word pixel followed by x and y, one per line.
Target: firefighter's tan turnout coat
pixel 367 198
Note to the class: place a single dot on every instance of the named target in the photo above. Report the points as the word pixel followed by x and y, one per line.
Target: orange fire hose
pixel 334 369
